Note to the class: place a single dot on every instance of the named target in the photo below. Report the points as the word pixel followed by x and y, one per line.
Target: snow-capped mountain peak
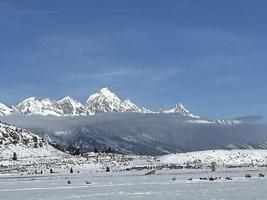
pixel 103 101
pixel 128 106
pixel 107 101
pixel 180 108
pixel 29 100
pixel 69 100
pixel 71 107
pixel 28 105
pixel 33 106
pixel 106 91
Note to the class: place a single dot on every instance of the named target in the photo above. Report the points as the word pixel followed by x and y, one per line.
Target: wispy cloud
pixel 106 74
pixel 151 75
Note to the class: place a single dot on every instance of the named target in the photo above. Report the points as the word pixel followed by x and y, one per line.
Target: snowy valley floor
pixel 177 176
pixel 135 185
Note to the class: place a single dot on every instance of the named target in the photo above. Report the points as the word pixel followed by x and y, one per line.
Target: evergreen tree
pixel 71 170
pixel 35 139
pixel 14 156
pixel 107 169
pixel 96 151
pixel 109 150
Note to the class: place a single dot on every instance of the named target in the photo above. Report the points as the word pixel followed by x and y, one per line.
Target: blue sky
pixel 209 55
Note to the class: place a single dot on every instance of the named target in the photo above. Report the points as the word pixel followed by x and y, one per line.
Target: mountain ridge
pixel 102 101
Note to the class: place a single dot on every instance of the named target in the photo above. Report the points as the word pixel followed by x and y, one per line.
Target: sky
pixel 210 55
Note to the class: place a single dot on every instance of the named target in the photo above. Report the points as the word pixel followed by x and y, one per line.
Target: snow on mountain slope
pixel 33 106
pixel 221 157
pixel 146 110
pixel 128 106
pixel 4 110
pixel 179 108
pixel 64 107
pixel 34 154
pixel 104 101
pixel 229 122
pixel 23 143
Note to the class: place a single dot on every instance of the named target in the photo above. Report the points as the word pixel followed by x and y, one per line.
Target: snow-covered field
pixel 177 176
pixel 135 185
pixel 223 158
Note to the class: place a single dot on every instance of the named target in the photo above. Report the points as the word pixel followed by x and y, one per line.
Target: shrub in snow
pixel 213 166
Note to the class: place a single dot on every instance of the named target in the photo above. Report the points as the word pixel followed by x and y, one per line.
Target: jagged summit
pixel 107 101
pixel 33 106
pixel 180 108
pixel 103 101
pixel 71 107
pixel 104 92
pixel 129 106
pixel 67 98
pixel 107 92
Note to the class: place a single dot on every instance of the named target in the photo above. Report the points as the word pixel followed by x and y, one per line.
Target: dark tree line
pixel 104 150
pixel 79 151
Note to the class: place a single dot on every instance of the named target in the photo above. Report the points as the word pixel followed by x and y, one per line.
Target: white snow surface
pixel 5 110
pixel 239 157
pixel 132 185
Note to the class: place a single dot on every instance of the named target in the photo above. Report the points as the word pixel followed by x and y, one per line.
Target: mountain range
pixel 100 102
pixel 104 101
pixel 107 121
